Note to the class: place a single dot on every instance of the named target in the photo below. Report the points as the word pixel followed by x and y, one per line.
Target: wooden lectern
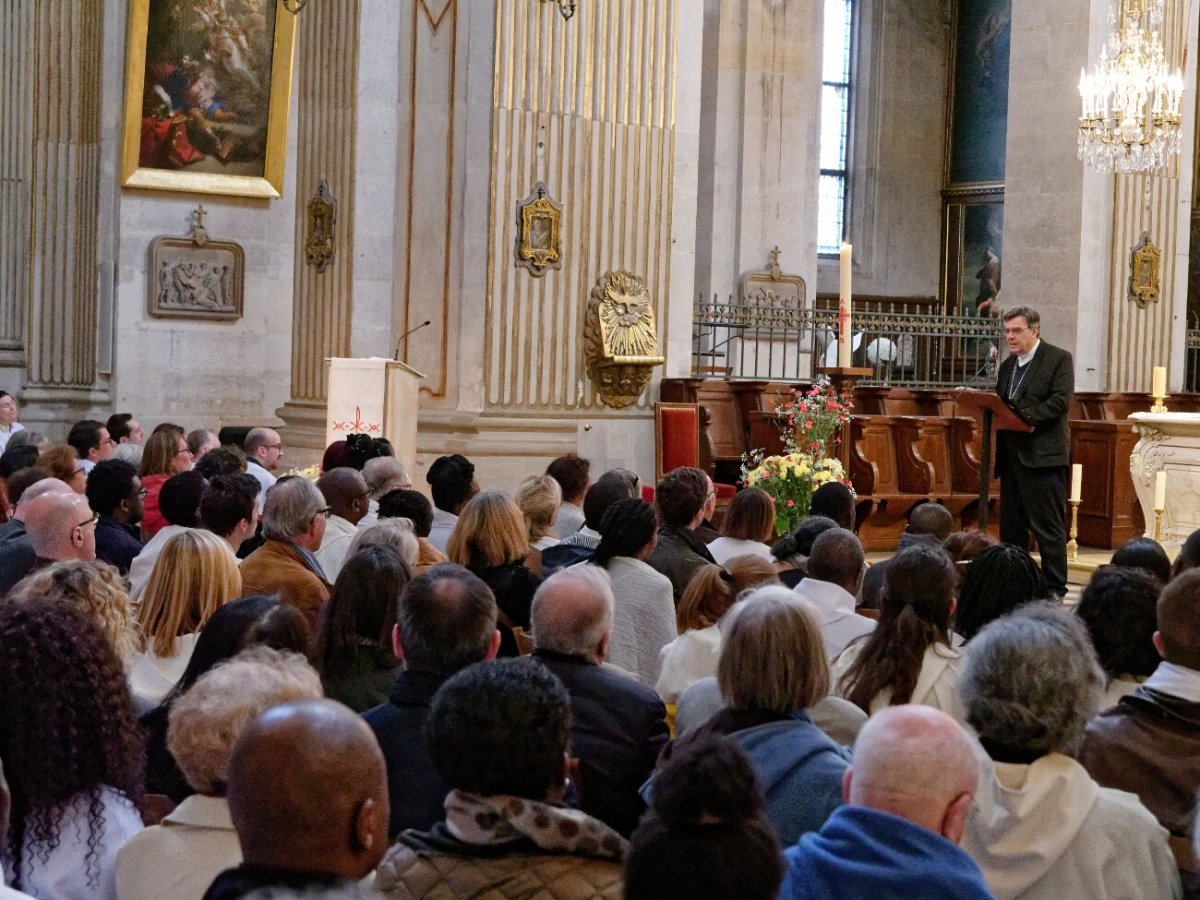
pixel 373 396
pixel 995 415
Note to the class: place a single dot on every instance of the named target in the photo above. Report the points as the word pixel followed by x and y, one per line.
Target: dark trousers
pixel 1034 501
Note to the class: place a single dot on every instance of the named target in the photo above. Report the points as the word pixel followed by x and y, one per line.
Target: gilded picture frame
pixel 207 92
pixel 539 221
pixel 1145 261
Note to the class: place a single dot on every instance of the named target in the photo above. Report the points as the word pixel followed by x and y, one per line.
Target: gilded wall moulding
pixel 539 220
pixel 320 219
pixel 620 338
pixel 1145 262
pixel 196 277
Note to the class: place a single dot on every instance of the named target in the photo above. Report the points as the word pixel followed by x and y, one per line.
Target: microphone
pixel 400 340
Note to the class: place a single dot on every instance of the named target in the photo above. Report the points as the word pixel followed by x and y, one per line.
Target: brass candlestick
pixel 1158 406
pixel 1072 544
pixel 1158 517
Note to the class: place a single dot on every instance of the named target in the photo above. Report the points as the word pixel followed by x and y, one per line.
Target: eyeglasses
pixel 326 512
pixel 272 446
pixel 141 495
pixel 107 442
pixel 92 521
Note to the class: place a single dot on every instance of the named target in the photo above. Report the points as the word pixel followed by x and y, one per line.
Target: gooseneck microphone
pixel 400 340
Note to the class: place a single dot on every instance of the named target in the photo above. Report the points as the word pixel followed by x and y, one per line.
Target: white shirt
pixel 339 534
pixel 5 434
pixel 180 857
pixel 691 656
pixel 151 676
pixel 937 682
pixel 724 549
pixel 545 543
pixel 1177 681
pixel 265 480
pixel 143 563
pixel 1024 358
pixel 443 524
pixel 372 516
pixel 834 606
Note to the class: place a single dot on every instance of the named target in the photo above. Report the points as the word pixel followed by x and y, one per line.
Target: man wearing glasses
pixel 115 493
pixel 61 526
pixel 91 441
pixel 1038 381
pixel 264 450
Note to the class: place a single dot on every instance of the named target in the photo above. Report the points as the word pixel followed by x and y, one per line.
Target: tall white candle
pixel 1158 381
pixel 1076 481
pixel 1160 491
pixel 845 332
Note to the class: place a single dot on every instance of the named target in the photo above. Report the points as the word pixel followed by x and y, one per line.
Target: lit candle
pixel 844 328
pixel 1158 381
pixel 1160 491
pixel 1076 482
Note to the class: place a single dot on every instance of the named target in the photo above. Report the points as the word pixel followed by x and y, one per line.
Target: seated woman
pixel 999 580
pixel 193 577
pixel 394 532
pixel 414 506
pixel 164 454
pixel 1146 554
pixel 1119 608
pixel 792 550
pixel 62 462
pixel 908 658
pixel 180 857
pixel 1042 828
pixel 539 497
pixel 497 734
pixel 705 836
pixel 70 750
pixel 353 646
pixel 749 524
pixel 490 539
pixel 772 668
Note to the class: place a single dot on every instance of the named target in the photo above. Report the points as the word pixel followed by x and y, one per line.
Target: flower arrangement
pixel 810 419
pixel 791 481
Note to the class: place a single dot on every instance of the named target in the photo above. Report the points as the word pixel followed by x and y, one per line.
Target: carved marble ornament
pixel 196 277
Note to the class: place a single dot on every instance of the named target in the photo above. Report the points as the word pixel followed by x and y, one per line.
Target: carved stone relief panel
pixel 195 277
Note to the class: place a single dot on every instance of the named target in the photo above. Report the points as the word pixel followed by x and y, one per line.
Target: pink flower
pixel 808 423
pixel 791 503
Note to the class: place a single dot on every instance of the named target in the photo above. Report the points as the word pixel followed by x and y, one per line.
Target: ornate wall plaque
pixel 195 277
pixel 538 224
pixel 772 290
pixel 620 339
pixel 1144 264
pixel 320 219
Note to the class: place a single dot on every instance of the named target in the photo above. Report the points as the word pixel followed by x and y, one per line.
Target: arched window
pixel 836 73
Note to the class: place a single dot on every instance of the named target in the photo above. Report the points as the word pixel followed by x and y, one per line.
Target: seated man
pixel 928 523
pixel 908 793
pixel 571 473
pixel 835 571
pixel 229 508
pixel 1149 743
pixel 452 483
pixel 346 494
pixel 618 726
pixel 17 556
pixel 115 492
pixel 61 527
pixel 293 523
pixel 681 498
pixel 498 735
pixel 446 620
pixel 317 822
pixel 125 429
pixel 91 441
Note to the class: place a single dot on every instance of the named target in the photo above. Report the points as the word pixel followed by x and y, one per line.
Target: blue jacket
pixel 863 852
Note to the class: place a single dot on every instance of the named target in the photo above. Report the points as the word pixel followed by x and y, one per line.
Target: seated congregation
pixel 219 680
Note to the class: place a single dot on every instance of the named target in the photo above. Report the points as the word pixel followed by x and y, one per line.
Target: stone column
pixel 16 62
pixel 61 375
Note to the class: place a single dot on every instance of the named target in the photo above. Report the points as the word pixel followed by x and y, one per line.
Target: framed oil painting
pixel 978 112
pixel 207 88
pixel 974 255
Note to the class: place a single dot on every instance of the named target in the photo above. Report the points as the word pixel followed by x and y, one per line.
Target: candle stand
pixel 1073 544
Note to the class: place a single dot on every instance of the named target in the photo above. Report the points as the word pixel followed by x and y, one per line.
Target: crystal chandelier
pixel 1131 100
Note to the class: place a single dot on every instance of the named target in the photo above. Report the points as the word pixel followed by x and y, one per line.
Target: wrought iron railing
pixel 763 341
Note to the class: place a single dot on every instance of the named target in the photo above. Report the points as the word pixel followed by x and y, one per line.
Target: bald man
pixel 308 797
pixel 264 450
pixel 347 495
pixel 17 555
pixel 907 794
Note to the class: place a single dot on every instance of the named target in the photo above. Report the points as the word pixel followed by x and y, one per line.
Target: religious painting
pixel 539 220
pixel 1144 262
pixel 975 257
pixel 207 88
pixel 979 98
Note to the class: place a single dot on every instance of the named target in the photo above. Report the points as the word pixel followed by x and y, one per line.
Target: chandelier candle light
pixel 1132 101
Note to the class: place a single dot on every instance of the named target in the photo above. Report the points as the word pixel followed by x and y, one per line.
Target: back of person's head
pixel 963 546
pixel 395 533
pixel 386 473
pixel 999 580
pixel 614 485
pixel 932 519
pixel 361 611
pixel 571 472
pixel 327 809
pixel 198 438
pixel 291 506
pixel 1179 620
pixel 625 529
pixel 21 480
pixel 221 461
pixel 538 498
pixel 490 531
pixel 750 571
pixel 1188 558
pixel 916 602
pixel 16 458
pixel 681 495
pixel 772 657
pixel 837 557
pixel 69 729
pixel 194 576
pixel 360 448
pixel 335 456
pixel 28 438
pixel 835 501
pixel 84 436
pixel 1118 607
pixel 501 728
pixel 800 541
pixel 572 612
pixel 446 620
pixel 915 762
pixel 227 501
pixel 750 516
pixel 179 499
pixel 706 599
pixel 110 482
pixel 345 492
pixel 411 505
pixel 1031 683
pixel 205 721
pixel 1144 553
pixel 62 462
pixel 451 481
pixel 127 452
pixel 705 835
pixel 118 426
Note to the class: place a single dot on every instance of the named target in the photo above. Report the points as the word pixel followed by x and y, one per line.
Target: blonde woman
pixel 193 577
pixel 96 588
pixel 491 540
pixel 539 498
